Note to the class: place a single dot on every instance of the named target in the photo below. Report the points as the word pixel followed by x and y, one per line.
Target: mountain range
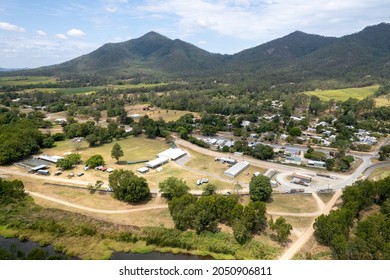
pixel 293 58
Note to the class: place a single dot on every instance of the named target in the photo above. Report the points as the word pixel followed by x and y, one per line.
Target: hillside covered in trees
pixel 295 58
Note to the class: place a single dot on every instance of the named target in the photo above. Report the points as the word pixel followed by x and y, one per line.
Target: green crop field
pixel 344 94
pixel 31 80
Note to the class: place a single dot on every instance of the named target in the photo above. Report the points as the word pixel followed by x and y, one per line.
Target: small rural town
pixel 152 148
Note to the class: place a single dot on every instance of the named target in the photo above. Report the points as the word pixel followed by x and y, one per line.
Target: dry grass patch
pixel 379 173
pixel 294 203
pixel 154 177
pixel 312 250
pixel 155 113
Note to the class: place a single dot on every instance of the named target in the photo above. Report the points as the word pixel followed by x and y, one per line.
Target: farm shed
pixel 172 153
pixel 157 162
pixel 236 169
pixel 143 170
pixel 39 167
pixel 316 163
pixel 227 160
pixel 301 179
pixel 52 159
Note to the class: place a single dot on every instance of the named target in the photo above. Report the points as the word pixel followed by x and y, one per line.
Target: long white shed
pixel 236 169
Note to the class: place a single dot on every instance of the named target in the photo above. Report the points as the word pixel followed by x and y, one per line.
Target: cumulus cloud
pixel 75 33
pixel 259 20
pixel 61 36
pixel 11 27
pixel 41 33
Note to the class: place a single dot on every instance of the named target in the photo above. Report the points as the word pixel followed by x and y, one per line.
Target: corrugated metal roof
pixel 236 169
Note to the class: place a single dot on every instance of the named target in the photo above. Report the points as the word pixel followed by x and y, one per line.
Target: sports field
pixel 344 94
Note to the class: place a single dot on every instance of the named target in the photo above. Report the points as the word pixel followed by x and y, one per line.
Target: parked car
pixel 204 180
pixel 199 182
pixel 58 172
pixel 87 167
pixel 80 174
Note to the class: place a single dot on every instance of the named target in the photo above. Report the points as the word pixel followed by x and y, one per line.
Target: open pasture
pixel 344 94
pixel 30 80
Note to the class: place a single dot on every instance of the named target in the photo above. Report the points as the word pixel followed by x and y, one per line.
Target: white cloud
pixel 11 27
pixel 61 36
pixel 202 42
pixel 264 20
pixel 75 33
pixel 112 6
pixel 41 33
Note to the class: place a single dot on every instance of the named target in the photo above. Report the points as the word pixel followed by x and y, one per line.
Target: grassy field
pixel 344 94
pixel 379 173
pixel 382 101
pixel 31 80
pixel 155 113
pixel 206 163
pixel 292 203
pixel 134 148
pixel 35 80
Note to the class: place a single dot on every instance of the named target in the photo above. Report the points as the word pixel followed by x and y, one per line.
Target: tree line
pixel 360 229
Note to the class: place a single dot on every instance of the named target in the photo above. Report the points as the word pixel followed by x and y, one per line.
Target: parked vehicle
pixel 80 174
pixel 295 190
pixel 58 172
pixel 43 172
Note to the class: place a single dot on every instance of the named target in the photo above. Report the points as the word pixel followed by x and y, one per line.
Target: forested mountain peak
pixel 295 57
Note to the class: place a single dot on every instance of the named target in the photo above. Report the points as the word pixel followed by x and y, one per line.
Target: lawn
pixel 344 94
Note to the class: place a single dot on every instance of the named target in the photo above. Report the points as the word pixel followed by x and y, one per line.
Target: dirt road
pixel 94 210
pixel 289 254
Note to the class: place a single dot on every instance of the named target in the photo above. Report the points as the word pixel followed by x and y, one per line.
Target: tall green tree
pixel 116 151
pixel 173 187
pixel 281 228
pixel 95 160
pixel 260 188
pixel 127 186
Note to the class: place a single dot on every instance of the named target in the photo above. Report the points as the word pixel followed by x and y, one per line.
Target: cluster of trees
pixel 208 211
pixel 94 161
pixel 94 135
pixel 360 229
pixel 341 162
pixel 11 191
pixel 315 155
pixel 20 139
pixel 384 152
pixel 69 161
pixel 127 186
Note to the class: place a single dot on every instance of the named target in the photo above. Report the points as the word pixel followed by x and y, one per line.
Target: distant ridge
pixel 295 57
pixel 12 69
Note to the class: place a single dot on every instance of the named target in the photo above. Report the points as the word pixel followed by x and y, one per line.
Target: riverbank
pixel 86 238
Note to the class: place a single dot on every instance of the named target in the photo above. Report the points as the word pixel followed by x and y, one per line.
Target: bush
pixel 94 161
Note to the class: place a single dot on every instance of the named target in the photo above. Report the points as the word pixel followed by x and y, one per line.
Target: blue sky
pixel 35 33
